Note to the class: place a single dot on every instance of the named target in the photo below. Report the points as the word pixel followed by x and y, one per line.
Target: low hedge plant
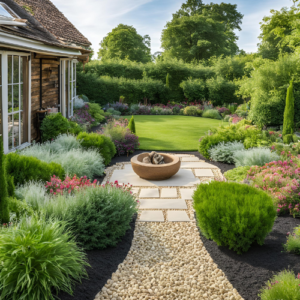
pixel 237 174
pixel 234 215
pixel 293 241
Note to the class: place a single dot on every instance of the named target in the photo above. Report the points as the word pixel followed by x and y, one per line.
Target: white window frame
pixel 4 64
pixel 70 63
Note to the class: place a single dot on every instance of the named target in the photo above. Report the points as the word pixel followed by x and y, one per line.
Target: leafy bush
pixel 190 111
pixel 4 212
pixel 101 143
pixel 44 255
pixel 212 114
pixel 288 138
pixel 19 209
pixel 66 151
pixel 114 112
pixel 194 89
pixel 281 181
pixel 53 125
pixel 221 90
pixel 283 286
pixel 96 112
pixel 237 174
pixel 293 241
pixel 254 157
pixel 224 151
pixel 75 128
pixel 250 135
pixel 121 107
pixel 98 216
pixel 131 125
pixel 83 118
pixel 24 169
pixel 234 215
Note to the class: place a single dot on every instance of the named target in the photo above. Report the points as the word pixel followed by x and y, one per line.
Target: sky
pixel 96 18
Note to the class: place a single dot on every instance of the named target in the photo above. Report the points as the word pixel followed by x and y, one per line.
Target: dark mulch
pixel 248 272
pixel 103 264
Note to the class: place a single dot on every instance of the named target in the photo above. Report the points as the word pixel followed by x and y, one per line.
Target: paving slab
pixel 135 191
pixel 204 172
pixel 187 193
pixel 169 193
pixel 177 216
pixel 192 158
pixel 184 177
pixel 162 204
pixel 152 216
pixel 149 193
pixel 197 165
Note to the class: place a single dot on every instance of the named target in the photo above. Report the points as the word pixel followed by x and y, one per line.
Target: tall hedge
pixel 289 112
pixel 106 89
pixel 4 213
pixel 178 71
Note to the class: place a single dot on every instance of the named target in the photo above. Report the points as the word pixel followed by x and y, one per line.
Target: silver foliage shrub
pixel 254 157
pixel 223 152
pixel 67 151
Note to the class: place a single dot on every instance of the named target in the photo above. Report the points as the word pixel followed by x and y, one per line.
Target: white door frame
pixel 4 70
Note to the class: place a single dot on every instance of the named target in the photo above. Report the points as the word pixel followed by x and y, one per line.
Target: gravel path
pixel 168 260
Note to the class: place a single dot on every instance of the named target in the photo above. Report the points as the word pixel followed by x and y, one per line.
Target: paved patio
pixel 167 259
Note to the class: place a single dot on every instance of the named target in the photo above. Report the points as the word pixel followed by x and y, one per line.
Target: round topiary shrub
pixel 234 215
pixel 102 143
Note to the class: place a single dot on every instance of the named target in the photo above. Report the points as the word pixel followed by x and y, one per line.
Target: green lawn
pixel 172 133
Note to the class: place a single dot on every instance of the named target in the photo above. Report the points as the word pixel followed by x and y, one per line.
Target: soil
pixel 249 271
pixel 103 264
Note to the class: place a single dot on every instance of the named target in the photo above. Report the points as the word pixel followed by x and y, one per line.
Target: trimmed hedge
pixel 234 215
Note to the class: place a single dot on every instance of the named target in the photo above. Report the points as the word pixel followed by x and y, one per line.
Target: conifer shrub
pixel 234 215
pixel 4 212
pixel 24 169
pixel 288 138
pixel 289 112
pixel 102 143
pixel 131 125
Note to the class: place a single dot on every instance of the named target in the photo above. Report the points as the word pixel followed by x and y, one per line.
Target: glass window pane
pixel 21 69
pixel 10 131
pixel 21 96
pixel 16 69
pixel 10 87
pixel 16 97
pixel 16 141
pixel 9 67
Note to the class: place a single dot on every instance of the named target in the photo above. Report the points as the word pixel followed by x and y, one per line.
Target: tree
pixel 4 213
pixel 131 125
pixel 280 32
pixel 289 112
pixel 199 31
pixel 124 42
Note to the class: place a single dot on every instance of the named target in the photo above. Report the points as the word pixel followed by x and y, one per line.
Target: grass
pixel 173 133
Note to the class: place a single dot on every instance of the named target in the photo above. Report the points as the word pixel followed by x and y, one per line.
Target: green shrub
pixel 96 112
pixel 54 125
pixel 289 112
pixel 223 152
pixel 102 143
pixel 190 111
pixel 39 258
pixel 237 174
pixel 234 215
pixel 293 241
pixel 131 125
pixel 283 286
pixel 199 112
pixel 221 91
pixel 4 212
pixel 296 138
pixel 194 89
pixel 24 169
pixel 254 157
pixel 10 185
pixel 74 128
pixel 19 208
pixel 99 216
pixel 212 114
pixel 288 138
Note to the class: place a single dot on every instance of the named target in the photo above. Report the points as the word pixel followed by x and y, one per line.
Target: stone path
pixel 167 259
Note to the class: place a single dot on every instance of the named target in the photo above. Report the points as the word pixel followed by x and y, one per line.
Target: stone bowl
pixel 156 172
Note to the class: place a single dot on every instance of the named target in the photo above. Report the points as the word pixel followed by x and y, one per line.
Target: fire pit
pixel 166 167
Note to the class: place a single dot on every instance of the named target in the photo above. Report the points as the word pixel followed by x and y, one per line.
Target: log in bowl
pixel 156 172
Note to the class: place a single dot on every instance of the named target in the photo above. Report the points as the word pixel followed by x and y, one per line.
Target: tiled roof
pixel 45 23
